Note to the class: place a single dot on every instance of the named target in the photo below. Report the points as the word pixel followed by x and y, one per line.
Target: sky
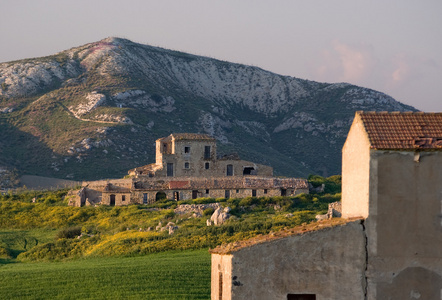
pixel 392 46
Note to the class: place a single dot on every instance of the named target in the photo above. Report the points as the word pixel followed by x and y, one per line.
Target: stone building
pixel 388 243
pixel 194 155
pixel 187 167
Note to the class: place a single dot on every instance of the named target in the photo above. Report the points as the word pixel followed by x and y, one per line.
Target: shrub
pixel 4 252
pixel 208 211
pixel 69 233
pixel 332 183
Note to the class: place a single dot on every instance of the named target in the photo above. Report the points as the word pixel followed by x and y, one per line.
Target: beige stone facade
pixel 392 175
pixel 194 155
pixel 187 167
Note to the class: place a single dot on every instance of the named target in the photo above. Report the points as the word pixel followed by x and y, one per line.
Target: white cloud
pixel 343 62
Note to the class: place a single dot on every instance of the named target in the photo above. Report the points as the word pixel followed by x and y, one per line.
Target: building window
pixel 253 193
pixel 229 170
pixel 207 154
pixel 187 149
pixel 123 198
pixel 301 297
pixel 186 165
pixel 265 191
pixel 169 169
pixel 206 165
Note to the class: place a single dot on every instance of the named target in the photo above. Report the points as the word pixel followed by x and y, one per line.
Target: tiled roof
pixel 231 182
pixel 191 136
pixel 403 130
pixel 298 230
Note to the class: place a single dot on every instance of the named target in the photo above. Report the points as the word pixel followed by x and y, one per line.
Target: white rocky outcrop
pixel 220 216
pixel 94 100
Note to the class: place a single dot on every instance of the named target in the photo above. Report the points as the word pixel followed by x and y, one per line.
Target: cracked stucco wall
pixel 329 262
pixel 404 226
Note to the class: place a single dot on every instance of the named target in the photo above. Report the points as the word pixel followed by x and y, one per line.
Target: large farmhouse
pixel 187 167
pixel 388 243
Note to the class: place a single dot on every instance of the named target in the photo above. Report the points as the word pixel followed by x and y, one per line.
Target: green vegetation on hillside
pixel 131 230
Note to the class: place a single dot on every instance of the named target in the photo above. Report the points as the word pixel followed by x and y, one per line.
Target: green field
pixel 168 275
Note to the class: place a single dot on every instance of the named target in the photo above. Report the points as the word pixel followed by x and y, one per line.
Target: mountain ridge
pixel 110 100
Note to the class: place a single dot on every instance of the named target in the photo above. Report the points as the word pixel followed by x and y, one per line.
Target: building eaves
pixel 191 136
pixel 299 230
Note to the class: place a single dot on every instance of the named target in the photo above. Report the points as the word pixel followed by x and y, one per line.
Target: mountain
pixel 95 111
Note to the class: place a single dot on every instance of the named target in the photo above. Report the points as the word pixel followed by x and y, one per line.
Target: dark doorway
pixel 112 200
pixel 169 169
pixel 227 194
pixel 301 297
pixel 160 196
pixel 176 196
pixel 248 170
pixel 194 194
pixel 220 286
pixel 145 198
pixel 283 192
pixel 253 193
pixel 229 170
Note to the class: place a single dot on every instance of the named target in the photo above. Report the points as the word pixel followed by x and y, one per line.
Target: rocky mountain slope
pixel 95 111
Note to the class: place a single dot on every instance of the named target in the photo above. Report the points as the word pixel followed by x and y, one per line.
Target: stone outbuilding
pixel 388 243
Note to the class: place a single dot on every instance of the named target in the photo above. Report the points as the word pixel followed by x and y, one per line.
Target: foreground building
pixel 187 167
pixel 388 243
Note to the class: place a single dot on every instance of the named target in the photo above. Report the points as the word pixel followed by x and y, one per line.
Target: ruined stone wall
pixel 329 263
pixel 404 226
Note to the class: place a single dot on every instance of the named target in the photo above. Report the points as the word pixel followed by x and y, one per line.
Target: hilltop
pixel 94 111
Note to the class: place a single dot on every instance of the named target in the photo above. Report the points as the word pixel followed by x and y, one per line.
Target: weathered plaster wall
pixel 329 263
pixel 355 172
pixel 404 227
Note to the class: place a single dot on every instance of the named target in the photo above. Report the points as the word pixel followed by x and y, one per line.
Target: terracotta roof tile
pixel 403 130
pixel 191 136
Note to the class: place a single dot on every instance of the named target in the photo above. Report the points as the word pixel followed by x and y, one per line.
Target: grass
pixel 18 241
pixel 169 275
